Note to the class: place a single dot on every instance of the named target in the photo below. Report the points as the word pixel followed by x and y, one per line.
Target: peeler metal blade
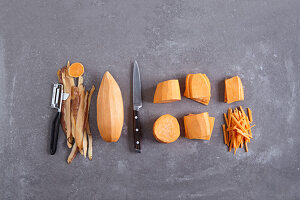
pixel 58 96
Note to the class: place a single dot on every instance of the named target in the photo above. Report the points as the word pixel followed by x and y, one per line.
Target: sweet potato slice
pixel 211 124
pixel 199 87
pixel 167 92
pixel 166 129
pixel 187 86
pixel 76 70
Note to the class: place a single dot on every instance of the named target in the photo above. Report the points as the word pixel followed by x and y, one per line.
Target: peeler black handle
pixel 137 134
pixel 54 133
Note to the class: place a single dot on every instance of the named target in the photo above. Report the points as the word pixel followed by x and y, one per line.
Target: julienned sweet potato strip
pixel 224 133
pixel 229 116
pixel 226 120
pixel 238 129
pixel 242 110
pixel 90 151
pixel 246 146
pixel 73 153
pixel 238 124
pixel 250 114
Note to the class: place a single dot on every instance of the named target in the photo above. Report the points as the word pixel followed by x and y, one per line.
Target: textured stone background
pixel 257 40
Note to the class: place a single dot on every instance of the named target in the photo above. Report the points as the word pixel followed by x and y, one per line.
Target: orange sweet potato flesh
pixel 76 70
pixel 167 92
pixel 238 132
pixel 110 109
pixel 197 88
pixel 198 126
pixel 166 129
pixel 233 90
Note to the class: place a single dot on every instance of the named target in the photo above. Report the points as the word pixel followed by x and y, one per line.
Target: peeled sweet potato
pixel 167 91
pixel 110 110
pixel 166 129
pixel 198 126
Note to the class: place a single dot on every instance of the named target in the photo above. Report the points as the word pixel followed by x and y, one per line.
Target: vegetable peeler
pixel 58 96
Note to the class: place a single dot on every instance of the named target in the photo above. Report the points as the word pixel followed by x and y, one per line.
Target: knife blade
pixel 137 104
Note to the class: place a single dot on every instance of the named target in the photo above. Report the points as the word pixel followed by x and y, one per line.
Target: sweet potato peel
pixel 238 132
pixel 66 117
pixel 90 137
pixel 87 125
pixel 75 111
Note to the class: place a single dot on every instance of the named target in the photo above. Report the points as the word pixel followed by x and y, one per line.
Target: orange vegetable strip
pixel 236 115
pixel 250 114
pixel 238 124
pixel 243 134
pixel 226 120
pixel 240 114
pixel 246 146
pixel 248 123
pixel 224 133
pixel 229 116
pixel 231 129
pixel 242 110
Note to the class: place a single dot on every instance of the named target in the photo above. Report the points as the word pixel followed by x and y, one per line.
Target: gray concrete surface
pixel 257 40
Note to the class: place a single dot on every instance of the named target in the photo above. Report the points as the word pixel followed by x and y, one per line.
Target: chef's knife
pixel 137 104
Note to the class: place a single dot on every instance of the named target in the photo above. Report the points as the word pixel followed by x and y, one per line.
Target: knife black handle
pixel 54 133
pixel 137 134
